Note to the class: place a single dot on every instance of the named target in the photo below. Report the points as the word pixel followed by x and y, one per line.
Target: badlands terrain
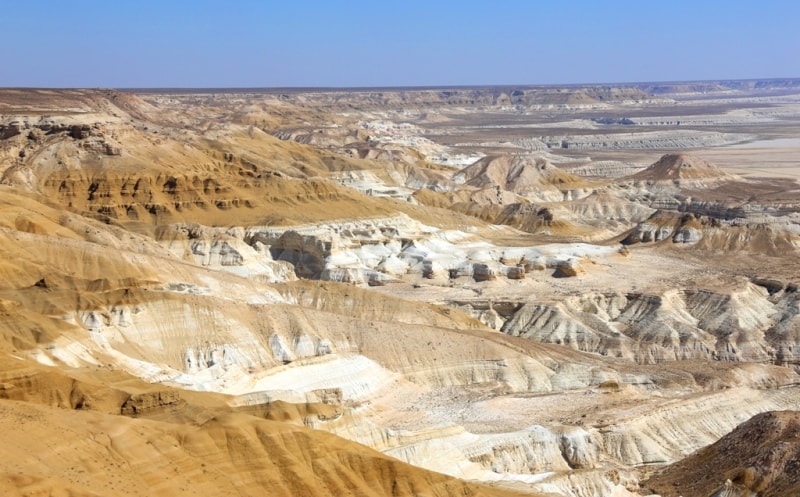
pixel 578 291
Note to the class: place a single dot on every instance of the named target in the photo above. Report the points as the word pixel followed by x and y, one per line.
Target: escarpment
pixel 162 199
pixel 468 291
pixel 746 324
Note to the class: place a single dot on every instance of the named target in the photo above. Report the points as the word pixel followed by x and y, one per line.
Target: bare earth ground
pixel 394 291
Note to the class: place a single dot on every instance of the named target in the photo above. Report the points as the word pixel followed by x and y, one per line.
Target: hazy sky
pixel 209 43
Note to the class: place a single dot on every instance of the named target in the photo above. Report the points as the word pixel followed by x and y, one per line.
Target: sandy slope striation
pixel 385 293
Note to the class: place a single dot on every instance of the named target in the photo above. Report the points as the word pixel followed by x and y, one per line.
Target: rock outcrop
pixel 760 457
pixel 745 324
pixel 534 179
pixel 656 140
pixel 421 272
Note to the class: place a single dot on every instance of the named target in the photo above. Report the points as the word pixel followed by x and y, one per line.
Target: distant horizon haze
pixel 409 87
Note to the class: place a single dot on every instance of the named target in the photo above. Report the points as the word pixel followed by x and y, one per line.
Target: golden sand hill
pixel 154 306
pixel 74 441
pixel 283 293
pixel 119 306
pixel 115 157
pixel 66 434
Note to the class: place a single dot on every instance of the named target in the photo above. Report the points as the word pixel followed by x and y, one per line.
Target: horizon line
pixel 391 87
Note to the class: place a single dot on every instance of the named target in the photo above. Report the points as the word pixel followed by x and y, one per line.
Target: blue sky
pixel 209 43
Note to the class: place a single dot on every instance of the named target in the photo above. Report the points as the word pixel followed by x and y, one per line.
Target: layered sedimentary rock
pixel 746 324
pixel 678 139
pixel 212 280
pixel 533 179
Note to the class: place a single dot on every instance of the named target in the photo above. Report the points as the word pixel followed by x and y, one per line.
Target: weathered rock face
pixel 269 254
pixel 95 137
pixel 536 180
pixel 687 234
pixel 149 402
pixel 774 237
pixel 482 272
pixel 744 325
pixel 784 335
pixel 658 140
pixel 306 253
pixel 380 250
pixel 517 272
pixel 649 232
pixel 759 457
pixel 686 228
pixel 699 204
pixel 568 268
pixel 224 250
pixel 9 130
pixel 606 169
